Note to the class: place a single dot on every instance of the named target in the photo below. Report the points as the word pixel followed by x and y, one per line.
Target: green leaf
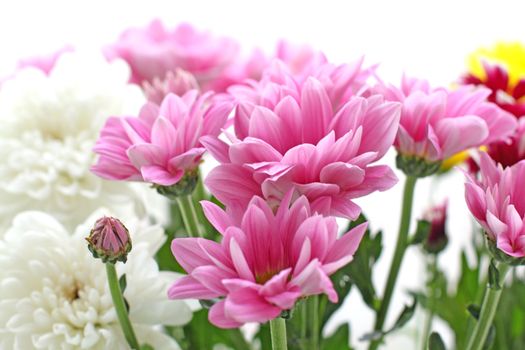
pixel 359 271
pixel 122 282
pixel 339 340
pixel 200 334
pixel 422 231
pixel 435 342
pixel 405 316
pixel 146 347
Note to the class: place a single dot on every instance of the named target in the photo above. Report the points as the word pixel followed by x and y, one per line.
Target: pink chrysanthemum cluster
pixel 302 142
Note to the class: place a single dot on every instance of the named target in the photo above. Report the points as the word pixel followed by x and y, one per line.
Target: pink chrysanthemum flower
pixel 154 51
pixel 497 201
pixel 162 143
pixel 265 262
pixel 291 135
pixel 437 123
pixel 44 62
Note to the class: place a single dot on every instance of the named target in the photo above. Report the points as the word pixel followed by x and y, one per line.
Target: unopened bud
pixel 437 238
pixel 109 240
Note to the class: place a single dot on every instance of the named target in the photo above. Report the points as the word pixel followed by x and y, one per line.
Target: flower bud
pixel 178 82
pixel 437 238
pixel 109 240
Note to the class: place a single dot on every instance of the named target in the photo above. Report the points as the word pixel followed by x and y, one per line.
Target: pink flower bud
pixel 109 240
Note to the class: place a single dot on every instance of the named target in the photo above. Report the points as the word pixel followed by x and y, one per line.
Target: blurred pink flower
pixel 162 143
pixel 45 62
pixel 437 123
pixel 497 201
pixel 265 262
pixel 302 60
pixel 178 82
pixel 154 51
pixel 291 135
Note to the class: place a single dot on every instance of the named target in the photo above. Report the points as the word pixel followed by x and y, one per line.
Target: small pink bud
pixel 109 240
pixel 178 83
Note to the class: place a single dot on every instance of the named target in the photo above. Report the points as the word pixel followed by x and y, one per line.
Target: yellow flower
pixel 456 159
pixel 511 55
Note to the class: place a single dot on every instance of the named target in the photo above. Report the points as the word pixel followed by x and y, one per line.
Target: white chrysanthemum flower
pixel 49 124
pixel 54 294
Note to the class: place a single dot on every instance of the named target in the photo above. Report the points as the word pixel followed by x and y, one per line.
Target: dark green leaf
pixel 422 231
pixel 405 316
pixel 126 304
pixel 146 347
pixel 474 311
pixel 340 340
pixel 200 334
pixel 435 342
pixel 493 276
pixel 122 282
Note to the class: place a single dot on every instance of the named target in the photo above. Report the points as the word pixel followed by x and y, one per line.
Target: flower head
pixel 154 51
pixel 162 144
pixel 109 240
pixel 437 123
pixel 497 201
pixel 49 124
pixel 45 63
pixel 292 135
pixel 437 238
pixel 55 295
pixel 508 96
pixel 265 262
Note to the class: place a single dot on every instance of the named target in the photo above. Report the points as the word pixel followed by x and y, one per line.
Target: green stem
pixel 401 246
pixel 488 310
pixel 120 307
pixel 432 267
pixel 278 333
pixel 313 319
pixel 189 215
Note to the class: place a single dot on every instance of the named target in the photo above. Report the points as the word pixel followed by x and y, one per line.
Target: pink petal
pixel 159 175
pixel 342 174
pixel 316 109
pixel 219 318
pixel 216 216
pixel 232 183
pixel 253 150
pixel 217 148
pixel 459 134
pixel 239 261
pixel 343 250
pixel 188 287
pixel 246 305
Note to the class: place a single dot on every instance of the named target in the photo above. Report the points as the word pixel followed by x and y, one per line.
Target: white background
pixel 423 38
